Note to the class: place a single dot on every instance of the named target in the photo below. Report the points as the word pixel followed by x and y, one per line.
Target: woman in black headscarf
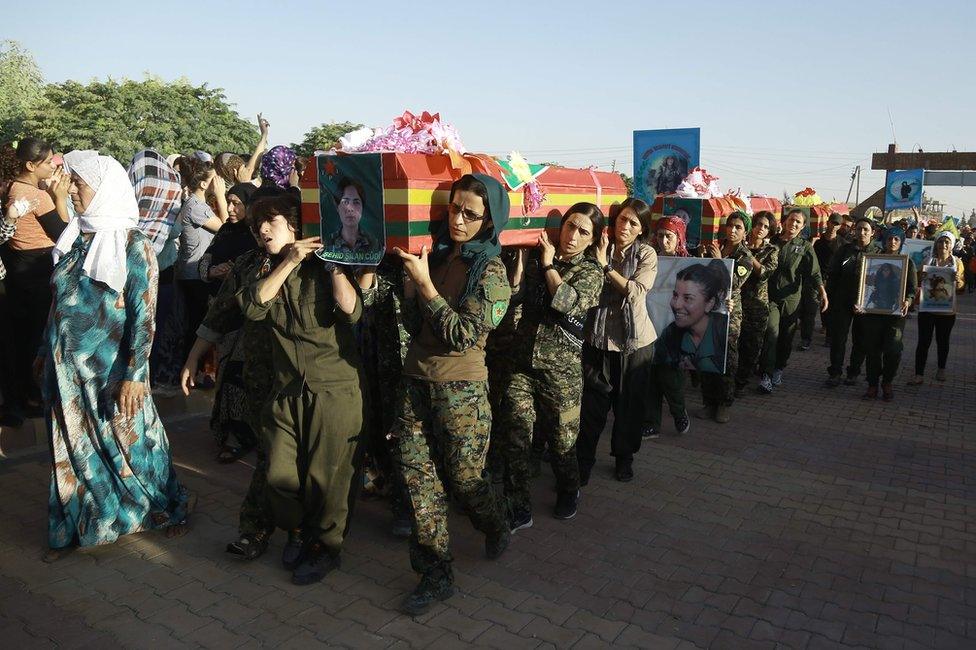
pixel 233 254
pixel 232 240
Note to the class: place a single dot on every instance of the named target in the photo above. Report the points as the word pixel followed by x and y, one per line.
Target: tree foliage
pixel 628 183
pixel 323 137
pixel 121 117
pixel 21 84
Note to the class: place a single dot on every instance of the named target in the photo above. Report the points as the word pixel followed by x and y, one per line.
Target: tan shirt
pixel 450 344
pixel 30 234
pixel 637 287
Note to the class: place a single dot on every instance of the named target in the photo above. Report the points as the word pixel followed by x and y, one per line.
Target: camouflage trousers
pixel 255 514
pixel 720 389
pixel 550 395
pixel 442 433
pixel 751 335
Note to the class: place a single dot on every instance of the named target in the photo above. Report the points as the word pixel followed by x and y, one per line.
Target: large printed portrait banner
pixel 662 159
pixel 688 306
pixel 903 189
pixel 351 209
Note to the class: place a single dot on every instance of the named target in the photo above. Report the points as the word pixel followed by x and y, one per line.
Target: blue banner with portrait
pixel 903 189
pixel 662 159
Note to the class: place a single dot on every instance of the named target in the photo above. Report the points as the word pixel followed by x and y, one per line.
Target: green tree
pixel 323 137
pixel 628 183
pixel 20 88
pixel 120 117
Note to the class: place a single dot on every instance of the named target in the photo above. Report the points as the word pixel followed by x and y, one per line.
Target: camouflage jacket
pixel 253 346
pixel 546 335
pixel 755 290
pixel 741 270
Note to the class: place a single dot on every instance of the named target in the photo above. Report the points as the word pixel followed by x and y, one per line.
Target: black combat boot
pixel 435 585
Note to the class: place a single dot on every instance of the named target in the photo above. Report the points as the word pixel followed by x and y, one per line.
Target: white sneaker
pixel 777 377
pixel 765 385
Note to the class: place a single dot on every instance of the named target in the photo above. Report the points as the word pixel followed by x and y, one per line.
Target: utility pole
pixel 613 168
pixel 850 188
pixel 857 190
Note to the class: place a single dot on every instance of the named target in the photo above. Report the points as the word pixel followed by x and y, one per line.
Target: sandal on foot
pixel 250 546
pixel 182 527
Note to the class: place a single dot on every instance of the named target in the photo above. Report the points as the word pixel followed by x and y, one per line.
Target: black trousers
pixel 196 295
pixel 941 325
pixel 842 323
pixel 28 301
pixel 8 350
pixel 613 381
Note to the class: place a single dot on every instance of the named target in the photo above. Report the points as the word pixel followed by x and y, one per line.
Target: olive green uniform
pixel 547 376
pixel 444 417
pixel 797 266
pixel 755 311
pixel 313 421
pixel 843 280
pixel 720 388
pixel 254 344
pixel 882 337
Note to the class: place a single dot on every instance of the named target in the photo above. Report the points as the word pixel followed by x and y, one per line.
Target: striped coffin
pixel 416 189
pixel 769 204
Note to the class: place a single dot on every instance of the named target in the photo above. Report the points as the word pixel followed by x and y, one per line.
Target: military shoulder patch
pixel 498 309
pixel 741 270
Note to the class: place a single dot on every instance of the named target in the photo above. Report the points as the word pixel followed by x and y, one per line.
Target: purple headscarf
pixel 278 164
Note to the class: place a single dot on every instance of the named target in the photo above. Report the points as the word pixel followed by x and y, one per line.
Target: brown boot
pixel 887 394
pixel 872 393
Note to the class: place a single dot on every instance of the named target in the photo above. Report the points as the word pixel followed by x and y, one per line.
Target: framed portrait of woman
pixel 882 285
pixel 938 290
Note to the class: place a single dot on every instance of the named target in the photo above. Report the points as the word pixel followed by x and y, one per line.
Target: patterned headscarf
pixel 159 194
pixel 277 165
pixel 677 226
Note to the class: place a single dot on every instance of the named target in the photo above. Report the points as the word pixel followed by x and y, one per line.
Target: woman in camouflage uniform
pixel 718 390
pixel 251 348
pixel 558 288
pixel 451 303
pixel 755 298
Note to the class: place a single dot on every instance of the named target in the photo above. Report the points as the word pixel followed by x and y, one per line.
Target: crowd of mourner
pixel 441 376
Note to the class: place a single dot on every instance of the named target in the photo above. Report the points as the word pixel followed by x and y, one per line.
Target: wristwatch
pixel 547 268
pixel 607 268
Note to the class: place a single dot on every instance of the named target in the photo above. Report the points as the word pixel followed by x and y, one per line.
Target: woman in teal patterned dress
pixel 113 473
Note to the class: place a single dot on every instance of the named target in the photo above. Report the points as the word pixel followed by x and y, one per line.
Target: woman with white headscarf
pixel 113 473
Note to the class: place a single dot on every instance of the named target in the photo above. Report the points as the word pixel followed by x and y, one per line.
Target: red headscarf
pixel 677 226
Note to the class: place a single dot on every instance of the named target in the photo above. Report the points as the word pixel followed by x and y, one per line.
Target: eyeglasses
pixel 466 215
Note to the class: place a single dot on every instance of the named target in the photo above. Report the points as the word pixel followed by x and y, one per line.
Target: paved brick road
pixel 812 520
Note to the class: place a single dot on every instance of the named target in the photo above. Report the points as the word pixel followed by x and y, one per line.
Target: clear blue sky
pixel 787 94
